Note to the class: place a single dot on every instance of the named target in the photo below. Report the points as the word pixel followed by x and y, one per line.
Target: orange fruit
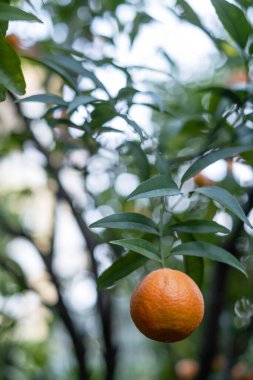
pixel 201 180
pixel 238 76
pixel 167 305
pixel 14 40
pixel 186 369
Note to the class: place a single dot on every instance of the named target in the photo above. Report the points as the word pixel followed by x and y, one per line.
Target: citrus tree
pixel 144 203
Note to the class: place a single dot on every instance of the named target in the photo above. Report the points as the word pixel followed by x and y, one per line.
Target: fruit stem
pixel 162 209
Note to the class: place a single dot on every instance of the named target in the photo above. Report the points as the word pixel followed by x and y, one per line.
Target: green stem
pixel 161 230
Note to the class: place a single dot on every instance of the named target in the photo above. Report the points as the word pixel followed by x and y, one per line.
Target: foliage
pixel 167 219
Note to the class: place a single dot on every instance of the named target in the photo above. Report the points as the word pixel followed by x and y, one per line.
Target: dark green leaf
pixel 158 186
pixel 56 122
pixel 162 165
pixel 133 124
pixel 102 113
pixel 128 221
pixel 4 24
pixel 245 3
pixel 140 158
pixel 188 14
pixel 140 19
pixel 199 226
pixel 121 268
pixel 223 197
pixel 44 98
pixel 11 75
pixel 233 95
pixel 72 65
pixel 141 246
pixel 212 157
pixel 208 251
pixel 2 93
pixel 106 129
pixel 9 13
pixel 81 100
pixel 234 21
pixel 250 49
pixel 56 69
pixel 127 94
pixel 194 267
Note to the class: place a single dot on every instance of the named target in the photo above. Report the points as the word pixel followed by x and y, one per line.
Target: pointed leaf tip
pixel 208 251
pixel 227 200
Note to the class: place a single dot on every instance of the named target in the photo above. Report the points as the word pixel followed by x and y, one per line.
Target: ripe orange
pixel 186 369
pixel 14 40
pixel 201 180
pixel 167 305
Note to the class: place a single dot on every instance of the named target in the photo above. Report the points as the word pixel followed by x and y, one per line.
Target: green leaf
pixel 233 96
pixel 11 75
pixel 4 24
pixel 72 65
pixel 121 268
pixel 212 157
pixel 208 251
pixel 81 100
pixel 56 69
pixel 189 15
pixel 56 122
pixel 141 159
pixel 102 113
pixel 158 186
pixel 44 98
pixel 234 21
pixel 2 93
pixel 128 221
pixel 194 267
pixel 140 19
pixel 127 94
pixel 141 246
pixel 133 124
pixel 105 129
pixel 10 13
pixel 223 197
pixel 162 165
pixel 199 226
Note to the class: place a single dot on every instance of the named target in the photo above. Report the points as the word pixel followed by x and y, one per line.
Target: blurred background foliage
pixel 94 118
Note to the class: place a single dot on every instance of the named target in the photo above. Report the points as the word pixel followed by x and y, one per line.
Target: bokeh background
pixel 55 181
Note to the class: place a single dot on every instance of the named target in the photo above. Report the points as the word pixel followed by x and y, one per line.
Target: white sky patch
pixel 247 228
pixel 243 174
pixel 70 254
pixel 224 219
pixel 97 183
pixel 126 183
pixel 27 257
pixel 18 171
pixel 81 293
pixel 74 184
pixel 113 79
pixel 217 171
pixel 20 305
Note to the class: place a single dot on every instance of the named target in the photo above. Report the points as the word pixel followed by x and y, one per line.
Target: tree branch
pixel 61 308
pixel 104 301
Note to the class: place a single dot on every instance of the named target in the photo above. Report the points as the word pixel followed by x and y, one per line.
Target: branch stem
pixel 161 227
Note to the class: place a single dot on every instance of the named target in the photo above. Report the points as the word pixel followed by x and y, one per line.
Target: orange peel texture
pixel 167 305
